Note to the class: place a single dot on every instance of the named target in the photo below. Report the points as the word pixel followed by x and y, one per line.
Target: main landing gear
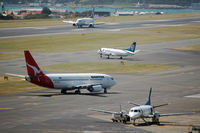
pixel 63 91
pixel 78 92
pixel 105 90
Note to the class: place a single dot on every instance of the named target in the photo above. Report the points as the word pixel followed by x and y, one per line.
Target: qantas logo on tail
pixel 36 71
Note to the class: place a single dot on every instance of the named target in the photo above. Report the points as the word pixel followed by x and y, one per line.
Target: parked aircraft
pixel 93 82
pixel 88 22
pixel 118 52
pixel 141 112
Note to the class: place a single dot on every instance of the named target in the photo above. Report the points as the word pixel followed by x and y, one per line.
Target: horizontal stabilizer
pixel 14 75
pixel 71 22
pixel 136 51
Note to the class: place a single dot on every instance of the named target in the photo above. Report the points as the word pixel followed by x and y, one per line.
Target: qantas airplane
pixel 118 52
pixel 93 82
pixel 88 22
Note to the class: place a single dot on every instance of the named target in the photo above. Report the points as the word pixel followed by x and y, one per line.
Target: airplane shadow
pixel 161 124
pixel 51 94
pixel 124 59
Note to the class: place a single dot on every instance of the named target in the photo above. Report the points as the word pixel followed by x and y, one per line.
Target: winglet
pixel 149 99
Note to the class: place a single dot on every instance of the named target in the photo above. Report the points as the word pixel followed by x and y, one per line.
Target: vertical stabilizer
pixel 149 99
pixel 32 68
pixel 92 15
pixel 132 47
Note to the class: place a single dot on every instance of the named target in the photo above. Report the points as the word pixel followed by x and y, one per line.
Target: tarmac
pixel 48 111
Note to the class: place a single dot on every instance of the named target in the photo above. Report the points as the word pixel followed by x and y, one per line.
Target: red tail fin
pixel 33 69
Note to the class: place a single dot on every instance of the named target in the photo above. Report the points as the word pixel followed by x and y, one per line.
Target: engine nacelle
pixel 155 118
pixel 95 88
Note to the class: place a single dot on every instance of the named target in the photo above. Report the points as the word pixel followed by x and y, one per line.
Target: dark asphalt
pixel 53 30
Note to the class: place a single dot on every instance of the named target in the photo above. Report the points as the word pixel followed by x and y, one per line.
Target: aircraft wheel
pixel 77 91
pixel 121 57
pixel 63 91
pixel 105 90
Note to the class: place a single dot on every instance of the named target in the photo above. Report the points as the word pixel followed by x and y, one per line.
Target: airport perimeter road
pixel 107 27
pixel 48 111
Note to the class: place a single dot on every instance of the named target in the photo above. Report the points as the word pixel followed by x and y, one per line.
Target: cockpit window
pixel 136 110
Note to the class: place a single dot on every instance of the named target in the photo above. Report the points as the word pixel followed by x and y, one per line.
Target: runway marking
pixel 92 132
pixel 194 96
pixel 6 108
pixel 35 104
pixel 114 30
pixel 196 21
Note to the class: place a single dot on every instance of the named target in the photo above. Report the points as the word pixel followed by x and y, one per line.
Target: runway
pixel 48 111
pixel 6 33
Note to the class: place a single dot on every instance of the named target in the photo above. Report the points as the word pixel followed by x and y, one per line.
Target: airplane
pixel 93 82
pixel 88 22
pixel 140 112
pixel 118 52
pixel 147 111
pixel 121 116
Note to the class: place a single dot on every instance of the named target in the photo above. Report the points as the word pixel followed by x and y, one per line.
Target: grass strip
pixel 108 67
pixel 15 85
pixel 189 48
pixel 10 56
pixel 91 41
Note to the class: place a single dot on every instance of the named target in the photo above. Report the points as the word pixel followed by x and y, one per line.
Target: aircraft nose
pixel 114 82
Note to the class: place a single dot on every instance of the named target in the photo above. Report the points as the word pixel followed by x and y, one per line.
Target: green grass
pixel 30 23
pixel 91 41
pixel 146 17
pixel 108 67
pixel 15 85
pixel 10 56
pixel 189 48
pixel 56 22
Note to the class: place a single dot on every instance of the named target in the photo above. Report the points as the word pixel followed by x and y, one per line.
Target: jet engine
pixel 155 118
pixel 95 88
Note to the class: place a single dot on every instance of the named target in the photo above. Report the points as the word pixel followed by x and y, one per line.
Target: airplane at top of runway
pixel 89 22
pixel 93 82
pixel 118 52
pixel 140 112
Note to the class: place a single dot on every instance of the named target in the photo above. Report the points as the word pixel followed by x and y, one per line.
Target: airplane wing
pixel 14 75
pixel 71 22
pixel 175 114
pixel 156 106
pixel 103 111
pixel 133 103
pixel 99 23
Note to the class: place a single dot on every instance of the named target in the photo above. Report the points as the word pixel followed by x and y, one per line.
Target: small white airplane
pixel 147 111
pixel 88 22
pixel 118 52
pixel 93 82
pixel 141 112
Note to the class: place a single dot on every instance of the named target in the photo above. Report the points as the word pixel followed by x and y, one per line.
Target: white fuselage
pixel 75 80
pixel 114 52
pixel 142 111
pixel 84 22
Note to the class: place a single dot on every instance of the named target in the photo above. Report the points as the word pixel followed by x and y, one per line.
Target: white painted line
pixel 194 96
pixel 196 21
